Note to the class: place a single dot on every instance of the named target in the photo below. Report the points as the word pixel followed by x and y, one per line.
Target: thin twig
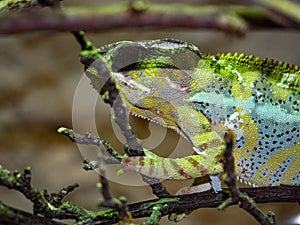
pixel 12 216
pixel 230 177
pixel 104 147
pixel 91 139
pixel 92 56
pixel 22 183
pixel 56 198
pixel 120 116
pixel 155 216
pixel 236 196
pixel 104 187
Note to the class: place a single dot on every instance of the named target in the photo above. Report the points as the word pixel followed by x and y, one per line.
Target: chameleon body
pixel 204 96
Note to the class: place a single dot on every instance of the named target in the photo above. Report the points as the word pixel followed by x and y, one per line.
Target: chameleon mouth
pixel 126 80
pixel 177 129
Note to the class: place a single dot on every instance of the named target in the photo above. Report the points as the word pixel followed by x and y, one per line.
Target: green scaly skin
pixel 202 97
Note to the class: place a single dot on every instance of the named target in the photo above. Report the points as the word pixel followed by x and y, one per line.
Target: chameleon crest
pixel 204 96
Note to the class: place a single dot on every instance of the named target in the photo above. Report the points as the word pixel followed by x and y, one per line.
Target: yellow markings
pixel 134 76
pixel 151 72
pixel 244 90
pixel 287 178
pixel 250 131
pixel 202 78
pixel 173 169
pixel 147 71
pixel 279 92
pixel 207 140
pixel 276 161
pixel 192 123
pixel 251 135
pixel 197 166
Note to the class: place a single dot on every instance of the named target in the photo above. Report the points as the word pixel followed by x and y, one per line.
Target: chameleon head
pixel 153 77
pixel 149 76
pixel 154 84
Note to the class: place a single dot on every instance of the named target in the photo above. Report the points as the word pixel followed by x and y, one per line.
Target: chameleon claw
pixel 216 183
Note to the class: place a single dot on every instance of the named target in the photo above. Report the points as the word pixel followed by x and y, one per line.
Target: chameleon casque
pixel 202 97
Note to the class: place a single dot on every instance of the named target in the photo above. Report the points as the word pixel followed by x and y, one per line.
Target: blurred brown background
pixel 39 75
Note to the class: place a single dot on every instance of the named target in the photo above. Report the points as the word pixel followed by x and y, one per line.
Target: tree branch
pixel 236 196
pixel 234 19
pixel 13 216
pixel 48 205
pixel 100 76
pixel 208 199
pixel 182 203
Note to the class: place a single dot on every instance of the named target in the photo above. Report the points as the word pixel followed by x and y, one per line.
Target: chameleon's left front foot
pixel 174 169
pixel 215 184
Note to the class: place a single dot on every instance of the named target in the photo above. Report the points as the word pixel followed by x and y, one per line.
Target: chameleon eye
pixel 124 83
pixel 203 147
pixel 158 112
